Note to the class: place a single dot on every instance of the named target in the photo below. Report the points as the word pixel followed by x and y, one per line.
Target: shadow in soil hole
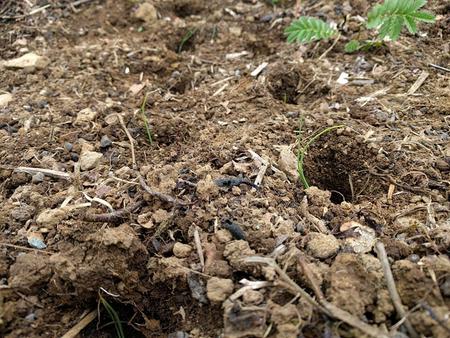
pixel 337 163
pixel 105 328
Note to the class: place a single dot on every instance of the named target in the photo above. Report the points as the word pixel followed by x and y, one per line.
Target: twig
pixel 161 196
pixel 331 47
pixel 115 216
pixel 382 256
pixel 18 247
pixel 85 321
pixel 263 166
pixel 312 281
pixel 198 244
pixel 439 67
pixel 327 308
pixel 130 139
pixel 47 172
pixel 34 11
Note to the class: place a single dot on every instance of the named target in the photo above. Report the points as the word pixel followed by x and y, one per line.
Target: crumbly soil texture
pixel 149 183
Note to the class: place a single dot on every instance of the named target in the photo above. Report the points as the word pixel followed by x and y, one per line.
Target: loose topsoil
pixel 165 241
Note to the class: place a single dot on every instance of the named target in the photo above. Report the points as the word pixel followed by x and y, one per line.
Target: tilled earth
pixel 162 230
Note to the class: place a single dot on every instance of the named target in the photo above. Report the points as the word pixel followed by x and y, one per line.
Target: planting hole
pixel 337 163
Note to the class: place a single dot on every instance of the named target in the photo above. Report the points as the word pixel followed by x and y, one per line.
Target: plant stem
pixel 303 149
pixel 144 118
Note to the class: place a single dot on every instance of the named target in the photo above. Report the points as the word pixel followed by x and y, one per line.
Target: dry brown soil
pixel 384 176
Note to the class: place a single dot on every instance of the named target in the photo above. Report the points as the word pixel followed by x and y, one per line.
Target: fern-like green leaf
pixel 307 29
pixel 352 46
pixel 392 15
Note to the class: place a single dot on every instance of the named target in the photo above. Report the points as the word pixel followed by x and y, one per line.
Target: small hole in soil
pixel 283 85
pixel 337 197
pixel 106 328
pixel 336 160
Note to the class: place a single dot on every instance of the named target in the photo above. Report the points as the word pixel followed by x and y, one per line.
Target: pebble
pixel 363 241
pixel 36 240
pixel 31 317
pixel 5 99
pixel 74 157
pixel 30 61
pixel 253 297
pixel 105 142
pixel 146 12
pixel 23 213
pixel 68 146
pixel 85 115
pixel 322 246
pixel 89 160
pixel 37 178
pixel 218 289
pixel 223 236
pixel 181 250
pixel 445 287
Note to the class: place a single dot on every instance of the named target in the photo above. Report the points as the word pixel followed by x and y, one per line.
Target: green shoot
pixel 307 29
pixel 189 34
pixel 302 149
pixel 144 118
pixel 114 316
pixel 391 16
pixel 352 46
pixel 355 45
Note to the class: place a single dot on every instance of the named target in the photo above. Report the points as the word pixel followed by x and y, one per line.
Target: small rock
pixel 445 287
pixel 23 213
pixel 36 240
pixel 197 287
pixel 218 289
pixel 223 236
pixel 31 317
pixel 30 61
pixel 146 12
pixel 105 142
pixel 363 241
pixel 51 217
pixel 219 268
pixel 288 162
pixel 207 189
pixel 85 115
pixel 37 178
pixel 5 99
pixel 253 297
pixel 74 157
pixel 90 159
pixel 68 146
pixel 322 246
pixel 160 216
pixel 181 250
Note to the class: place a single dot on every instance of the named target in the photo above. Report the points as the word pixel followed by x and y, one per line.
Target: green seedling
pixel 389 18
pixel 392 15
pixel 355 45
pixel 303 148
pixel 189 34
pixel 307 29
pixel 114 316
pixel 145 120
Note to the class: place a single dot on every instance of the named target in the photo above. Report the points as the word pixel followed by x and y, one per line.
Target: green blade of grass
pixel 144 118
pixel 114 316
pixel 303 149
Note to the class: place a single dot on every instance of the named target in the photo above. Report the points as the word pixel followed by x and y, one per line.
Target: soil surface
pixel 94 212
